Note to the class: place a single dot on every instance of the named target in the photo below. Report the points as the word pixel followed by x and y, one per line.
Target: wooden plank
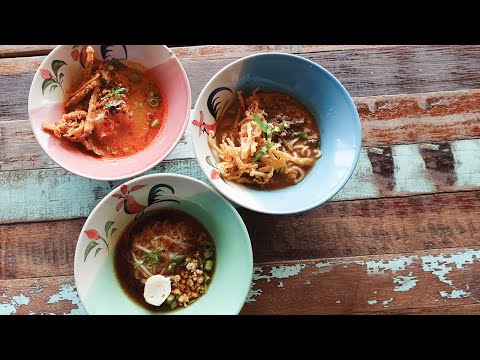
pixel 364 71
pixel 440 281
pixel 24 50
pixel 200 51
pixel 16 135
pixel 38 249
pixel 386 120
pixel 413 118
pixel 337 229
pixel 399 170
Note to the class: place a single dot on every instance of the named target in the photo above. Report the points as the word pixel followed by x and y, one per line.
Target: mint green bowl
pixel 95 277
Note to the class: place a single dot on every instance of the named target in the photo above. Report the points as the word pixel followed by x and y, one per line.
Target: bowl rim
pixel 323 199
pixel 242 226
pixel 151 165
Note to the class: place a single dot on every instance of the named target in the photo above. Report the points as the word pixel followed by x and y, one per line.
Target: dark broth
pixel 124 270
pixel 277 105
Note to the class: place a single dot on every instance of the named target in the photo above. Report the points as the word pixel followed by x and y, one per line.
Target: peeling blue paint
pixel 10 307
pixel 68 293
pixel 405 283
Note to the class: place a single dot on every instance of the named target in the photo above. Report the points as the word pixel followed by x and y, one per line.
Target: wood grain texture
pixel 368 71
pixel 336 229
pixel 38 249
pixel 366 284
pixel 386 120
pixel 24 50
pixel 200 51
pixel 436 281
pixel 59 189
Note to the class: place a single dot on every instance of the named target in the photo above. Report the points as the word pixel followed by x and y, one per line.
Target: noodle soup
pixel 171 245
pixel 267 140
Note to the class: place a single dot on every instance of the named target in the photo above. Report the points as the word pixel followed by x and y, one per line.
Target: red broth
pixel 119 135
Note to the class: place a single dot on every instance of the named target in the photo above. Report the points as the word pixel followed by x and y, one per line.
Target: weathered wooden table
pixel 401 237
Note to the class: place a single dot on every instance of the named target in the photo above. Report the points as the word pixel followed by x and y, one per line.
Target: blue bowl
pixel 324 96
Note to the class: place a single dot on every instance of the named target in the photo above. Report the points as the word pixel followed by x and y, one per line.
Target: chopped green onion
pixel 138 263
pixel 207 279
pixel 301 134
pixel 154 123
pixel 173 305
pixel 169 299
pixel 126 149
pixel 134 77
pixel 172 265
pixel 263 151
pixel 209 265
pixel 208 254
pixel 154 94
pixel 153 102
pixel 261 123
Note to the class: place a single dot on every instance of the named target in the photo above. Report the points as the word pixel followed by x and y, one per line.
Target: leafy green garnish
pixel 172 265
pixel 151 255
pixel 154 123
pixel 301 134
pixel 263 124
pixel 263 151
pixel 116 92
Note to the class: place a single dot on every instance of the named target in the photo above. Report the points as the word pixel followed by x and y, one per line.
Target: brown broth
pixel 124 270
pixel 273 103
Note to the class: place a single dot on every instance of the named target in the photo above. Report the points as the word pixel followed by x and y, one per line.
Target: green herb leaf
pixel 301 134
pixel 263 151
pixel 154 123
pixel 116 92
pixel 263 124
pixel 157 250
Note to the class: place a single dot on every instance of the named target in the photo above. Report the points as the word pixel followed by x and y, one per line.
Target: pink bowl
pixel 45 103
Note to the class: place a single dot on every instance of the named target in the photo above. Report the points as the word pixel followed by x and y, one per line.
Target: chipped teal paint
pixel 386 302
pixel 45 194
pixel 10 307
pixel 393 265
pixel 276 272
pixel 361 185
pixel 455 294
pixel 467 162
pixel 409 170
pixel 68 293
pixel 372 302
pixel 58 194
pixel 405 283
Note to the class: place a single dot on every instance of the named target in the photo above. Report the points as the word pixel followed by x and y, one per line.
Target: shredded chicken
pixel 78 125
pixel 89 63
